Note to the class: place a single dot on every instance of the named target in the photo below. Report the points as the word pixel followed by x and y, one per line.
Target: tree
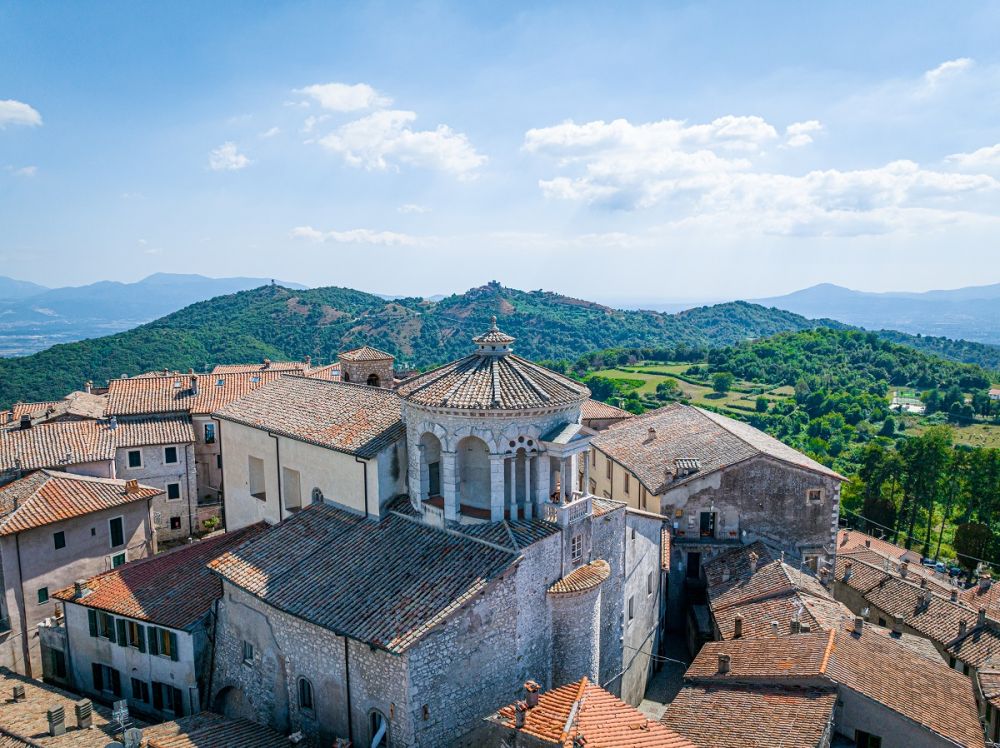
pixel 761 404
pixel 926 458
pixel 722 381
pixel 972 542
pixel 888 427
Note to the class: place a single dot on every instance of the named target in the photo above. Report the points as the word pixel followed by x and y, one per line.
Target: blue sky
pixel 661 151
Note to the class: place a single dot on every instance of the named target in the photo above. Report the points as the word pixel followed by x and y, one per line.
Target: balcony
pixel 564 515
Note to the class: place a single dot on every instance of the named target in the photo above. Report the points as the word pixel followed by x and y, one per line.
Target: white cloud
pixel 18 113
pixel 798 134
pixel 384 139
pixel 270 133
pixel 227 157
pixel 947 71
pixel 354 236
pixel 984 159
pixel 413 208
pixel 312 120
pixel 343 97
pixel 23 171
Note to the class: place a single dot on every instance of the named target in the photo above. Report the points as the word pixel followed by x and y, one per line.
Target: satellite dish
pixel 133 737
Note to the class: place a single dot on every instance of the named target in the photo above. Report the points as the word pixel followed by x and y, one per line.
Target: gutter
pixel 364 465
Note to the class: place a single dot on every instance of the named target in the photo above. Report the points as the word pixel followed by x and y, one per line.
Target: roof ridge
pixel 828 652
pixel 574 709
pixel 457 533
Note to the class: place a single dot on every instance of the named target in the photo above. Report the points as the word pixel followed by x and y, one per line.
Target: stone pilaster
pixel 449 484
pixel 496 487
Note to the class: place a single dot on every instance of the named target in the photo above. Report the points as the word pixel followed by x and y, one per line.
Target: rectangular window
pixel 626 482
pixel 247 652
pixel 173 491
pixel 593 458
pixel 58 663
pixel 136 635
pixel 116 529
pixel 642 496
pixel 105 626
pixel 166 698
pixel 607 469
pixel 631 608
pixel 43 595
pixel 218 461
pixel 814 495
pixel 107 680
pixel 59 538
pixel 170 455
pixel 162 642
pixel 140 691
pixel 255 468
pixel 209 433
pixel 864 739
pixel 135 458
pixel 117 560
pixel 649 583
pixel 292 489
pixel 175 523
pixel 576 548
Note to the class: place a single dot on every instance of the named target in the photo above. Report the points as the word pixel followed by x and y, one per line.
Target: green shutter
pixel 95 669
pixel 111 627
pixel 173 647
pixel 157 696
pixel 154 642
pixel 116 683
pixel 122 632
pixel 178 703
pixel 142 638
pixel 92 620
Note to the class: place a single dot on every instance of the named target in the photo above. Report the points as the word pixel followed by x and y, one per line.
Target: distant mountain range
pixel 971 313
pixel 284 323
pixel 33 317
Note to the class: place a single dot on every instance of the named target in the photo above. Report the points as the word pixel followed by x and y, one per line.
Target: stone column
pixel 496 487
pixel 530 486
pixel 413 479
pixel 449 484
pixel 566 479
pixel 586 457
pixel 510 485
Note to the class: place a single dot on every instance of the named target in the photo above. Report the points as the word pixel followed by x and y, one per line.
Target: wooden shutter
pixel 174 655
pixel 92 620
pixel 95 669
pixel 154 642
pixel 111 627
pixel 122 632
pixel 157 696
pixel 178 702
pixel 116 683
pixel 141 643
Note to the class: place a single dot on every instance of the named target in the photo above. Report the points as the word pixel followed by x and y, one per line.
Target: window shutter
pixel 111 629
pixel 174 655
pixel 92 620
pixel 154 642
pixel 157 696
pixel 141 643
pixel 116 683
pixel 178 702
pixel 98 680
pixel 122 633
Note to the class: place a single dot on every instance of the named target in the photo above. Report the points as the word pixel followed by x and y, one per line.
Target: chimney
pixel 738 626
pixel 531 693
pixel 985 581
pixel 774 627
pixel 981 620
pixel 725 663
pixel 88 387
pixel 19 692
pixel 897 625
pixel 267 363
pixel 84 714
pixel 309 360
pixel 57 721
pixel 725 573
pixel 194 384
pixel 25 421
pixel 651 433
pixel 520 708
pixel 904 569
pixel 923 583
pixel 112 423
pixel 963 628
pixel 848 570
pixel 80 588
pixel 795 625
pixel 954 595
pixel 859 625
pixel 754 558
pixel 132 486
pixel 868 542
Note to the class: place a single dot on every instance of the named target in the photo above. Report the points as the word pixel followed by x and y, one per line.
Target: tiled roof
pixel 172 394
pixel 209 730
pixel 74 442
pixel 878 667
pixel 56 444
pixel 582 579
pixel 23 724
pixel 979 646
pixel 989 685
pixel 849 540
pixel 584 709
pixel 665 540
pixel 265 365
pixel 365 353
pixel 682 432
pixel 351 418
pixel 596 410
pixel 934 616
pixel 601 506
pixel 329 372
pixel 36 408
pixel 774 592
pixel 914 571
pixel 978 598
pixel 172 589
pixel 513 534
pixel 492 381
pixel 723 716
pixel 75 404
pixel 47 496
pixel 494 336
pixel 386 583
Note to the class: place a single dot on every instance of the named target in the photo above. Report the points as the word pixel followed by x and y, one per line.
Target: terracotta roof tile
pixel 849 540
pixel 683 432
pixel 981 645
pixel 47 496
pixel 596 410
pixel 209 730
pixel 365 353
pixel 723 716
pixel 989 685
pixel 172 589
pixel 173 394
pixel 351 418
pixel 386 583
pixel 265 365
pixel 584 709
pixel 582 579
pixel 75 404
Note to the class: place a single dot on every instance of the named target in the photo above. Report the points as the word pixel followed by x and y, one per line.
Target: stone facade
pixel 173 517
pixel 373 372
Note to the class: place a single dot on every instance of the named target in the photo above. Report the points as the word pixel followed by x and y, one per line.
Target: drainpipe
pixel 208 697
pixel 347 682
pixel 364 465
pixel 22 614
pixel 277 457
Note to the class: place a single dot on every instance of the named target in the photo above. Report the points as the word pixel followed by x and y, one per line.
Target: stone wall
pixel 642 587
pixel 608 538
pixel 172 517
pixel 359 372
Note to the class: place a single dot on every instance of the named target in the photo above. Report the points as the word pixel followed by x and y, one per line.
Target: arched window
pixel 305 695
pixel 378 729
pixel 373 380
pixel 345 376
pixel 317 496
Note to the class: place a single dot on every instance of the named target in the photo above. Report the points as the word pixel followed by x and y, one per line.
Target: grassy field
pixel 974 435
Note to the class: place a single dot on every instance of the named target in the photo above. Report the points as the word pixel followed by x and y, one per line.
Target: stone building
pixel 367 365
pixel 55 528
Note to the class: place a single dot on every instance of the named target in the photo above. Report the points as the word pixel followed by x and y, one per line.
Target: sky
pixel 613 151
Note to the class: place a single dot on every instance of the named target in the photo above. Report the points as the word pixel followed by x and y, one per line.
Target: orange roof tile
pixel 173 393
pixel 582 579
pixel 596 410
pixel 365 353
pixel 209 730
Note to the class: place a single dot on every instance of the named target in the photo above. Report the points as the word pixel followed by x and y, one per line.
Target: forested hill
pixel 281 323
